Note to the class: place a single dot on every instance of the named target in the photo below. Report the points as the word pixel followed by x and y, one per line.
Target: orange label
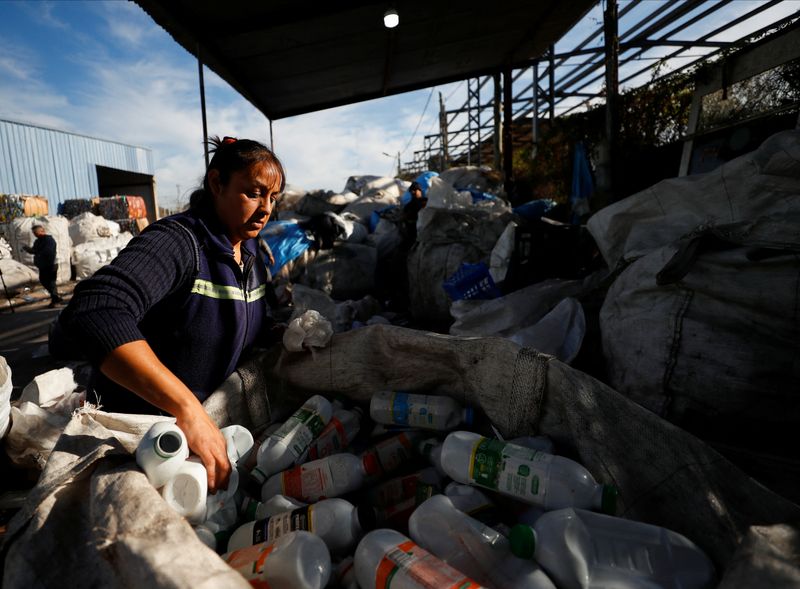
pixel 410 562
pixel 249 562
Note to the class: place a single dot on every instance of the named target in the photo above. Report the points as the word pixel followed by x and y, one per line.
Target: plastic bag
pixel 310 330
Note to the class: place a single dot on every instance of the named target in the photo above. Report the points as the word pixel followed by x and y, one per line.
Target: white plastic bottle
pixel 538 478
pixel 337 435
pixel 331 476
pixel 252 510
pixel 580 549
pixel 298 560
pixel 393 452
pixel 344 574
pixel 472 547
pixel 475 503
pixel 238 441
pixel 186 492
pixel 336 521
pixel 433 412
pixel 385 556
pixel 289 443
pixel 161 452
pixel 431 449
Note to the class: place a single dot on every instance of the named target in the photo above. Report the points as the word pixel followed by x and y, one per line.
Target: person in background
pixel 44 258
pixel 169 319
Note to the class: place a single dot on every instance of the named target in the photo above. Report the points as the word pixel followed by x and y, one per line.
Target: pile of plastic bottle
pixel 407 498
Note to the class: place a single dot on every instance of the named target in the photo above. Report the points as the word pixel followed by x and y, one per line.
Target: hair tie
pixel 228 140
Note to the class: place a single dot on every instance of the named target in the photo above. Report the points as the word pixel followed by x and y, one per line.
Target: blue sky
pixel 105 69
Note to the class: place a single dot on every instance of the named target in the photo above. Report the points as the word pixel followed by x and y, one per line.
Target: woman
pixel 171 316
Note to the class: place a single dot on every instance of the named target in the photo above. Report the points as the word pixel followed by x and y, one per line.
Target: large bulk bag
pixel 90 256
pixel 765 181
pixel 87 227
pixel 346 271
pixel 16 276
pixel 705 333
pixel 110 528
pixel 447 239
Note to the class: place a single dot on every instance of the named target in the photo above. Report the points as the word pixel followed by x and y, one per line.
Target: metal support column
pixel 443 131
pixel 612 90
pixel 551 72
pixel 535 111
pixel 203 103
pixel 508 142
pixel 474 119
pixel 271 138
pixel 496 120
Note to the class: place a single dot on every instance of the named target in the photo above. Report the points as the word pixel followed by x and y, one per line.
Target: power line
pixel 419 122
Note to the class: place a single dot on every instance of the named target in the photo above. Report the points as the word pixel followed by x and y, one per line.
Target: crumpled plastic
pixel 309 330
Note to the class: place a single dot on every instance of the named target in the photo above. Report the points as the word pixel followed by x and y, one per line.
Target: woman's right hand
pixel 207 442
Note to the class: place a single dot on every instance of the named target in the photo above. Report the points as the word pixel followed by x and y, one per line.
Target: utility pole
pixel 443 131
pixel 612 93
pixel 508 129
pixel 202 103
pixel 496 120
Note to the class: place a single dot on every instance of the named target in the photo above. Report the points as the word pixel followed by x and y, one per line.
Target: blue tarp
pixel 582 184
pixel 286 245
pixel 424 180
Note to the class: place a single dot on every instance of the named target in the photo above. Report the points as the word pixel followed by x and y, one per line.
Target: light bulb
pixel 391 19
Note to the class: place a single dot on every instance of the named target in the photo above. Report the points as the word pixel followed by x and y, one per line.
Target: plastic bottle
pixel 336 521
pixel 248 460
pixel 432 450
pixel 475 504
pixel 289 443
pixel 344 574
pixel 423 483
pixel 297 560
pixel 337 435
pixel 393 452
pixel 331 476
pixel 238 440
pixel 252 510
pixel 472 547
pixel 385 556
pixel 433 412
pixel 582 549
pixel 161 452
pixel 186 492
pixel 538 478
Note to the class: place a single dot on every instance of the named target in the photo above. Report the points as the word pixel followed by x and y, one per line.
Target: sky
pixel 105 69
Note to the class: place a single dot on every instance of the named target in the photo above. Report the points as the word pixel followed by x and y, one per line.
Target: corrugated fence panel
pixel 61 165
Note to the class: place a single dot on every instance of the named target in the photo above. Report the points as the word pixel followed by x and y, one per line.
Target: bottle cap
pixel 371 465
pixel 367 518
pixel 168 444
pixel 609 501
pixel 469 415
pixel 249 508
pixel 523 541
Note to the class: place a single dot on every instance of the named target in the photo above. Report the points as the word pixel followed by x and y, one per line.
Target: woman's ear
pixel 214 182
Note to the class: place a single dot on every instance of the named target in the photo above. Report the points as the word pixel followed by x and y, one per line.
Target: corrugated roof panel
pixel 61 165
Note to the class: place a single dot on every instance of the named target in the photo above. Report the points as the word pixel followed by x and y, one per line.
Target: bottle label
pixel 270 529
pixel 405 411
pixel 250 563
pixel 395 490
pixel 417 567
pixel 309 482
pixel 331 440
pixel 393 452
pixel 509 469
pixel 299 431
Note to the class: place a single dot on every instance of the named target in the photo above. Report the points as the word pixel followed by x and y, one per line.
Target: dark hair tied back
pixel 230 155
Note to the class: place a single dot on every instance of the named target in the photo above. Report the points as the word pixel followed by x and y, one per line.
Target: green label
pixel 487 463
pixel 315 425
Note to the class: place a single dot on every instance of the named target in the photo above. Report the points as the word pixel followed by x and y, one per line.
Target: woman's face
pixel 244 204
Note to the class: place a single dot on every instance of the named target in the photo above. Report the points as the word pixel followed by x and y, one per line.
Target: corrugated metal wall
pixel 59 165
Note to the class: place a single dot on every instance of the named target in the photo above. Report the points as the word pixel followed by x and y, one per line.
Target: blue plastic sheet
pixel 375 217
pixel 286 245
pixel 535 209
pixel 471 281
pixel 582 183
pixel 424 180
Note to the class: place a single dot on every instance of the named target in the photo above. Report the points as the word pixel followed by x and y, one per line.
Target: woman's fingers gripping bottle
pixel 336 521
pixel 161 452
pixel 472 547
pixel 331 476
pixel 289 443
pixel 580 549
pixel 538 478
pixel 433 412
pixel 337 435
pixel 297 560
pixel 386 559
